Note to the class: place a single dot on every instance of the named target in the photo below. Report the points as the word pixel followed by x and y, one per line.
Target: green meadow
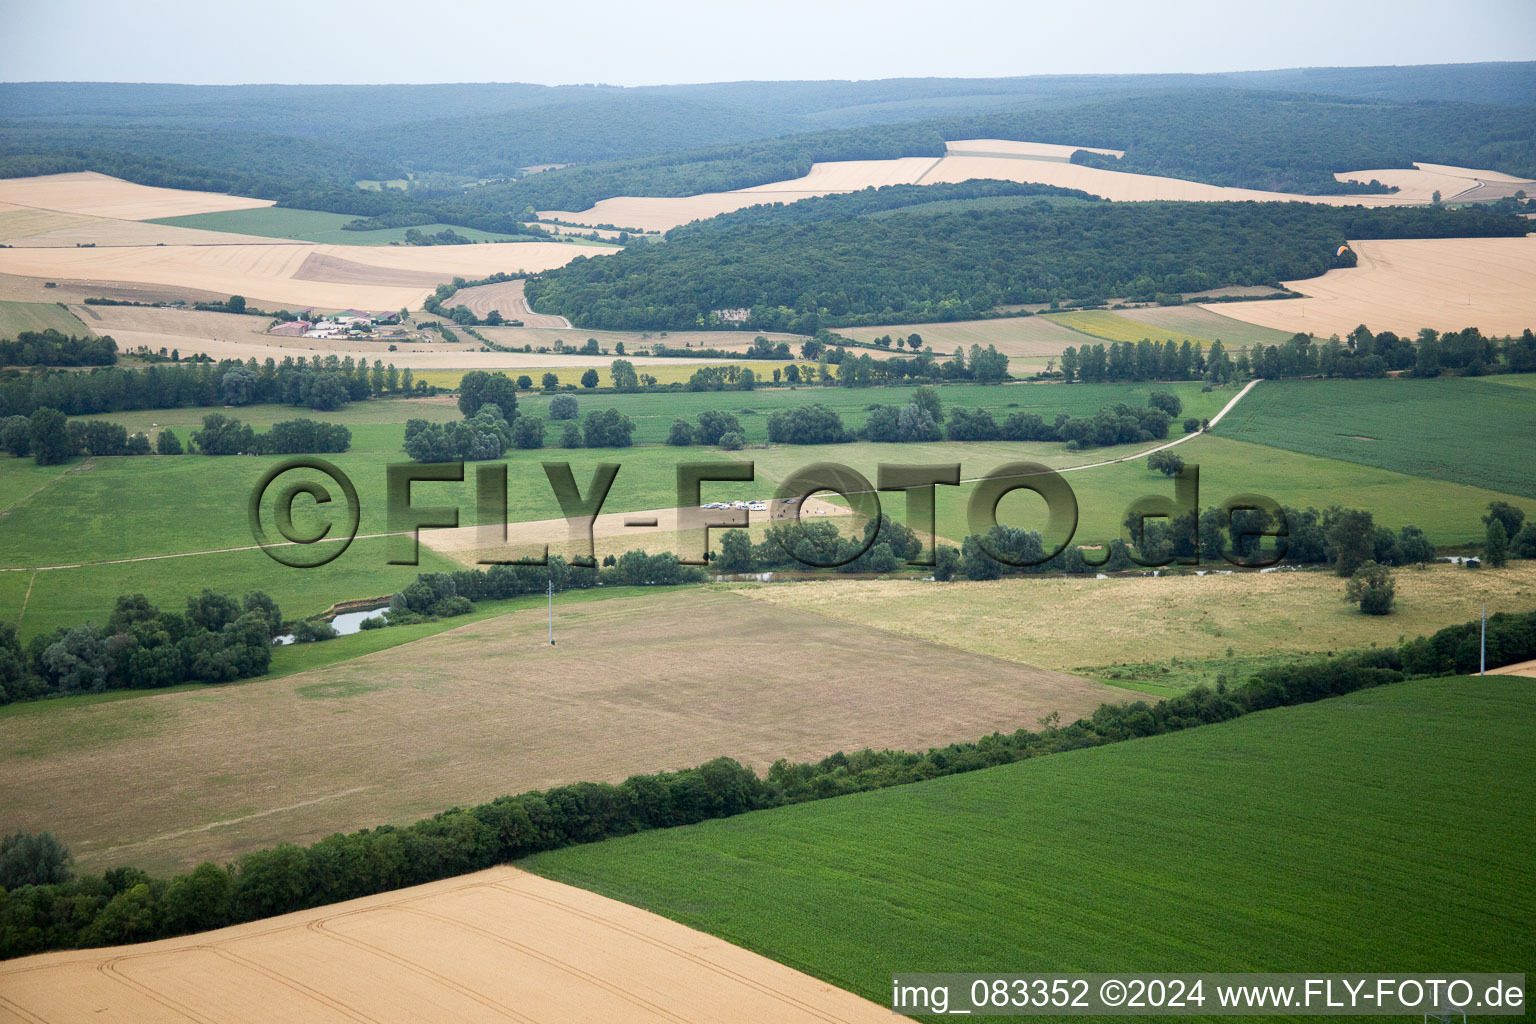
pixel 653 413
pixel 310 226
pixel 16 317
pixel 1469 430
pixel 1388 829
pixel 1449 513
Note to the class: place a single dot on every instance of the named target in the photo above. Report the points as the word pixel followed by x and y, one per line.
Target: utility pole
pixel 1482 656
pixel 551 593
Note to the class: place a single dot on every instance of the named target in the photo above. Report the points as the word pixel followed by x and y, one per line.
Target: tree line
pixel 322 384
pixel 54 348
pixel 852 269
pixel 217 639
pixel 51 438
pixel 43 907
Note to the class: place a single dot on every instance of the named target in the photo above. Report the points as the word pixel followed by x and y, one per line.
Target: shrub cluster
pixel 224 435
pixel 215 640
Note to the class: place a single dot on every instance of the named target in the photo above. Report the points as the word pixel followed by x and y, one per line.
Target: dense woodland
pixel 283 143
pixel 798 275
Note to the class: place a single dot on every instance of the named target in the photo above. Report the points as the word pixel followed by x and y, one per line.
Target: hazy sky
pixel 635 42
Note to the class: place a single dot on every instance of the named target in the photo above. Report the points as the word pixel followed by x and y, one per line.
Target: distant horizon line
pixel 766 81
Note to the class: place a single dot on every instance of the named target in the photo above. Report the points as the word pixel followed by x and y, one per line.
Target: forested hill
pixel 858 264
pixel 1282 142
pixel 460 145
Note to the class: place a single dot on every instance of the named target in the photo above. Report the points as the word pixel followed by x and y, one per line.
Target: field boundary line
pixel 235 821
pixel 928 170
pixel 23 613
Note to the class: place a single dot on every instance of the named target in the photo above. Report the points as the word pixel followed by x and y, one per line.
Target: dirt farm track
pixel 500 945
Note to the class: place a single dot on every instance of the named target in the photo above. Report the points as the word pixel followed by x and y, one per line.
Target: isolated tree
pixel 1415 547
pixel 1352 535
pixel 549 381
pixel 528 432
pixel 589 379
pixel 1371 587
pixel 735 552
pixel 713 423
pixel 524 382
pixel 1166 401
pixel 16 435
pixel 168 443
pixel 1165 462
pixel 681 433
pixel 1496 546
pixel 564 407
pixel 570 437
pixel 622 373
pixel 49 437
pixel 1508 514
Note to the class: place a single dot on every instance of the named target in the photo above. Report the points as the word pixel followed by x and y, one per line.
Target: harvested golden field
pixel 227 336
pixel 99 195
pixel 1086 624
pixel 850 176
pixel 636 684
pixel 294 275
pixel 21 221
pixel 1026 150
pixel 496 945
pixel 1033 339
pixel 1121 186
pixel 1419 183
pixel 507 298
pixel 661 214
pixel 972 158
pixel 1405 284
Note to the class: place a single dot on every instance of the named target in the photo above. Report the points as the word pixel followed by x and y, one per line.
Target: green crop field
pixel 16 317
pixel 1335 836
pixel 1204 323
pixel 190 503
pixel 309 226
pixel 1518 380
pixel 1100 323
pixel 68 597
pixel 1468 430
pixel 1449 513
